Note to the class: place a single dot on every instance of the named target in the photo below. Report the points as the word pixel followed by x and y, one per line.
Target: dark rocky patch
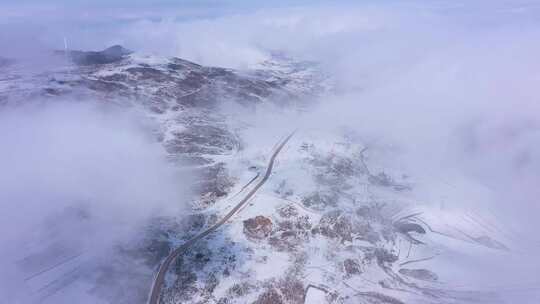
pixel 200 139
pixel 258 227
pixel 179 63
pixel 288 211
pixel 284 190
pixel 185 285
pixel 291 233
pixel 339 225
pixel 336 165
pixel 419 274
pixel 141 73
pixel 240 289
pixel 407 227
pixel 490 242
pixel 211 283
pixel 370 213
pixel 292 290
pixel 52 92
pixel 384 180
pixel 194 223
pixel 384 256
pixel 351 267
pixel 379 298
pixel 320 200
pixel 109 55
pixel 106 87
pixel 214 182
pixel 336 225
pixel 270 296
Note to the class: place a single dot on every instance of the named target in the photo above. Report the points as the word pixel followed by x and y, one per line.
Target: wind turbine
pixel 66 48
pixel 66 53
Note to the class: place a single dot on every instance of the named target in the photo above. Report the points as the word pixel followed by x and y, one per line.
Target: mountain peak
pixel 112 54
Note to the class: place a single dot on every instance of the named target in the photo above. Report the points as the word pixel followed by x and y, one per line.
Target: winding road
pixel 160 277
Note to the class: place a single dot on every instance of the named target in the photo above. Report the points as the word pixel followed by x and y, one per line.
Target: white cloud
pixel 77 177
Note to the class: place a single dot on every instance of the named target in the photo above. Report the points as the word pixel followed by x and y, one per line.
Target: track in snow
pixel 160 277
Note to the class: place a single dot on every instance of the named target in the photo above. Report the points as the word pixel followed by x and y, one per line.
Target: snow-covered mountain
pixel 339 221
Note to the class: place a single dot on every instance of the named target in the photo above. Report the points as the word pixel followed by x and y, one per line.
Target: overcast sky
pixel 45 23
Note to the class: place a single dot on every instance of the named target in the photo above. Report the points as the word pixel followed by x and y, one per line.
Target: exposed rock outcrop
pixel 269 297
pixel 351 267
pixel 109 55
pixel 258 227
pixel 419 274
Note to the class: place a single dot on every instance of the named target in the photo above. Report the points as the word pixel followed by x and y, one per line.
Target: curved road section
pixel 158 281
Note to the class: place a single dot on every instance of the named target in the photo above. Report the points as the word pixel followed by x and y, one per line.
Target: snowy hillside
pixel 340 219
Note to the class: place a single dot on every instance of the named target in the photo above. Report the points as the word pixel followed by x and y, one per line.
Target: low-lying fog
pixel 76 179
